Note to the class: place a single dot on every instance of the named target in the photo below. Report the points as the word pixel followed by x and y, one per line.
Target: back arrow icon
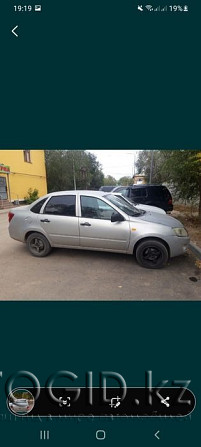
pixel 13 30
pixel 156 434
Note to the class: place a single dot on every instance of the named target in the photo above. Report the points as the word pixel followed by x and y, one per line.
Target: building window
pixel 27 156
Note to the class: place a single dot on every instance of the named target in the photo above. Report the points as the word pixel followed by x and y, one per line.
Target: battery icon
pixel 38 7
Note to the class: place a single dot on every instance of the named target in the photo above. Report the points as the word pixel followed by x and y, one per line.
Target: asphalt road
pixel 83 275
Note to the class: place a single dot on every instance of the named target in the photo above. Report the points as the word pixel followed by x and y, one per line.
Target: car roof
pixel 106 188
pixel 148 186
pixel 78 192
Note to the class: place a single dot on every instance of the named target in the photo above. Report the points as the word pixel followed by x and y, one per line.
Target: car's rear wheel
pixel 38 245
pixel 152 254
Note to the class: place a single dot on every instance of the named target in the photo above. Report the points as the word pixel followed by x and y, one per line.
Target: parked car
pixel 19 405
pixel 140 206
pixel 106 188
pixel 154 195
pixel 118 188
pixel 95 220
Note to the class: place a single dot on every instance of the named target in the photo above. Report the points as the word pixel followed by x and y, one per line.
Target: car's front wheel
pixel 38 245
pixel 152 254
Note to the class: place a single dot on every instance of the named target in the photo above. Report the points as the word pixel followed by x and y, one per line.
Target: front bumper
pixel 178 245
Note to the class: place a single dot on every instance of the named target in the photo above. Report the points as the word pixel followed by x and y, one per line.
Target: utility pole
pixel 151 166
pixel 74 178
pixel 134 166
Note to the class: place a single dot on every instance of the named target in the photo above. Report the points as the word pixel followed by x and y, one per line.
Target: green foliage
pixel 179 168
pixel 183 169
pixel 125 181
pixel 143 164
pixel 110 181
pixel 32 196
pixel 70 169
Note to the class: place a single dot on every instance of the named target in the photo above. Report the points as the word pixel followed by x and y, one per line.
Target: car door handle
pixel 86 224
pixel 45 220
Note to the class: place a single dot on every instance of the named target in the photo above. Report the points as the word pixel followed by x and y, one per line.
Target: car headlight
pixel 181 232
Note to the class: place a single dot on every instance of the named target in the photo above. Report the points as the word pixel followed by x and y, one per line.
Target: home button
pixel 100 435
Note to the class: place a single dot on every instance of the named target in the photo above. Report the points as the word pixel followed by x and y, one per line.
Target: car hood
pixel 161 219
pixel 153 209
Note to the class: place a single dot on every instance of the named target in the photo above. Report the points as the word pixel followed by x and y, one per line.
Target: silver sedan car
pixel 19 405
pixel 96 220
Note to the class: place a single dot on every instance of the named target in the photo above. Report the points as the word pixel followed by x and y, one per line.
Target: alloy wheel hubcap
pixel 37 245
pixel 151 254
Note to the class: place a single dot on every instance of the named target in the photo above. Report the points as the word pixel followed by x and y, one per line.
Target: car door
pixel 96 229
pixel 59 221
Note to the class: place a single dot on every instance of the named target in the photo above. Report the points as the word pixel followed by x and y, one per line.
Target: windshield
pixel 123 205
pixel 126 199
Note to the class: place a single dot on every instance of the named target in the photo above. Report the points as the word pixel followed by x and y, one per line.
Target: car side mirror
pixel 117 217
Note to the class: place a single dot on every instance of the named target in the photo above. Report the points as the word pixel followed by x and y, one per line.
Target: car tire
pixel 152 254
pixel 38 245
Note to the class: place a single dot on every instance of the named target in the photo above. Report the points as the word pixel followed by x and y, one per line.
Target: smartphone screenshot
pixel 100 223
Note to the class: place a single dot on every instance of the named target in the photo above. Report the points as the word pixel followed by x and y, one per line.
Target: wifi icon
pixel 149 7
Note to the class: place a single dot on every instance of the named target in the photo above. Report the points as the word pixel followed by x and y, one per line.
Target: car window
pixel 166 193
pixel 157 192
pixel 138 192
pixel 94 208
pixel 37 207
pixel 123 205
pixel 125 199
pixel 61 206
pixel 123 191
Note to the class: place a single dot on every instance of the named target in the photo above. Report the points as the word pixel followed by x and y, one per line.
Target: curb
pixel 195 249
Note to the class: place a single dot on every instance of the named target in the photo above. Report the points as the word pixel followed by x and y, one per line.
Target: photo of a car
pixel 19 405
pixel 95 220
pixel 20 402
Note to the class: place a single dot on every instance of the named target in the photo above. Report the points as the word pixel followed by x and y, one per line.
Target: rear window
pixel 166 193
pixel 160 192
pixel 37 207
pixel 156 192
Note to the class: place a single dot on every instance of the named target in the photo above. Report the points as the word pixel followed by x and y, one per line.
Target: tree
pixel 110 181
pixel 31 196
pixel 125 181
pixel 150 160
pixel 70 169
pixel 97 176
pixel 57 179
pixel 180 168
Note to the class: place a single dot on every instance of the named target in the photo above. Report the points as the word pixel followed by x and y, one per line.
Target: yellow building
pixel 139 179
pixel 19 171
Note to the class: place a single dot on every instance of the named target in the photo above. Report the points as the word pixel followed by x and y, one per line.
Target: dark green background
pixel 100 74
pixel 129 338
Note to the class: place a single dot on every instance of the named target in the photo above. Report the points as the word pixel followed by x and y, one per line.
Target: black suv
pixel 155 195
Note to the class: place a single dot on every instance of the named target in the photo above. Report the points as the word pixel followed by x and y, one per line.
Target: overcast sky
pixel 117 163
